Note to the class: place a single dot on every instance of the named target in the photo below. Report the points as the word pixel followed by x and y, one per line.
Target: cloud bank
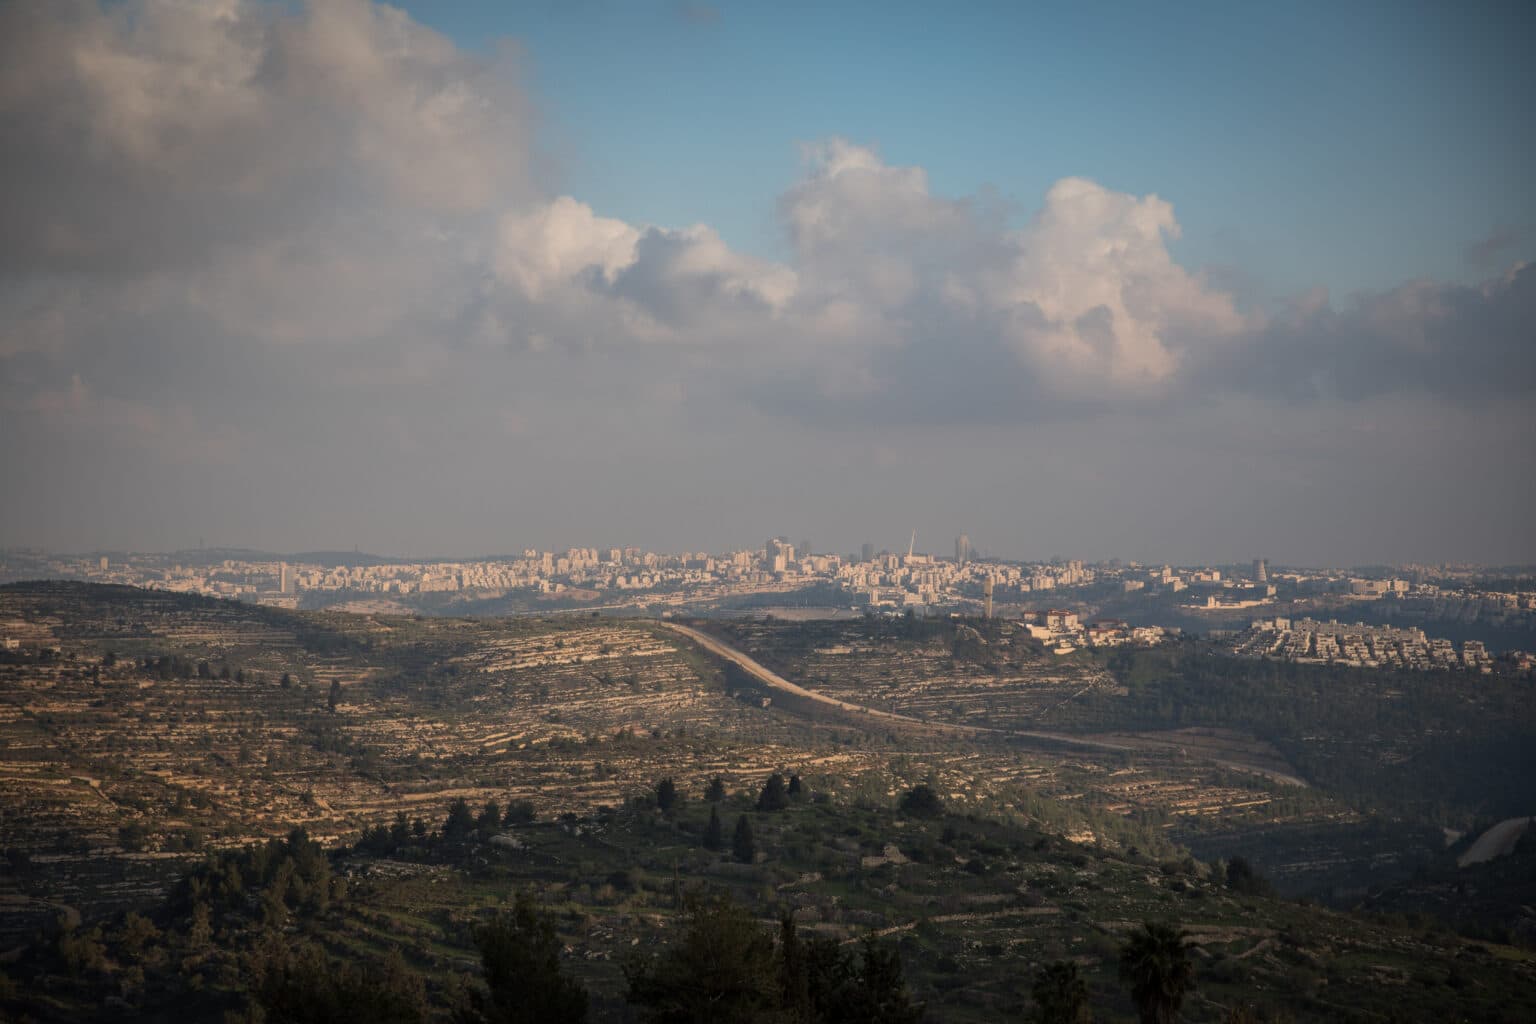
pixel 282 237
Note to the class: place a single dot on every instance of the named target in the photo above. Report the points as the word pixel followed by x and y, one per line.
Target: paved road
pixel 1496 842
pixel 774 681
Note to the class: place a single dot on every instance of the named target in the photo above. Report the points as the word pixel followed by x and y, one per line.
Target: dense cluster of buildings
pixel 1040 595
pixel 1355 644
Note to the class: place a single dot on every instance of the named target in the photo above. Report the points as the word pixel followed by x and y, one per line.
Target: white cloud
pixel 1114 311
pixel 155 133
pixel 306 236
pixel 554 243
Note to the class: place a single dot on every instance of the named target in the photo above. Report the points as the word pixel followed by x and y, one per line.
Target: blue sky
pixel 1351 145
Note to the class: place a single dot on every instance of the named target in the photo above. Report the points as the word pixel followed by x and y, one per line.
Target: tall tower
pixel 282 577
pixel 1261 570
pixel 986 598
pixel 867 553
pixel 962 549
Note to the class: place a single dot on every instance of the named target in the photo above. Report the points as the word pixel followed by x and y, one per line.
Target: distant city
pixel 1254 610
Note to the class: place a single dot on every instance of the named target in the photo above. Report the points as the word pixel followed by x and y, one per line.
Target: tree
pixel 136 933
pixel 200 930
pixel 716 790
pixel 460 819
pixel 820 981
pixel 286 681
pixel 666 795
pixel 1061 995
pixel 1241 877
pixel 922 801
pixel 714 833
pixel 794 979
pixel 524 984
pixel 796 790
pixel 881 993
pixel 303 986
pixel 519 812
pixel 335 697
pixel 132 836
pixel 743 844
pixel 774 796
pixel 1155 963
pixel 490 817
pixel 720 969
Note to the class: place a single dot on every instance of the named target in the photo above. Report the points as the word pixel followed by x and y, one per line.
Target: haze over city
pixel 1184 286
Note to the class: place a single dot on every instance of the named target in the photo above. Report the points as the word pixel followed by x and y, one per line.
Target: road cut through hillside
pixel 774 681
pixel 1498 841
pixel 1048 740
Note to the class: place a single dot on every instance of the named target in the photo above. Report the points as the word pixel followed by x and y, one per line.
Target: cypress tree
pixel 774 796
pixel 743 845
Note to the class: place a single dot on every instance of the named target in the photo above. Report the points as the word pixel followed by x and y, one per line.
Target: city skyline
pixel 947 551
pixel 1181 288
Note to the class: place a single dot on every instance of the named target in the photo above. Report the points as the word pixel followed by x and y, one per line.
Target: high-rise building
pixel 867 552
pixel 986 598
pixel 777 554
pixel 962 549
pixel 282 577
pixel 1261 570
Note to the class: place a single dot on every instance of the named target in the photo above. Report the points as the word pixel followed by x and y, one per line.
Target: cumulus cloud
pixel 155 133
pixel 1114 309
pixel 1424 338
pixel 673 276
pixel 559 241
pixel 267 233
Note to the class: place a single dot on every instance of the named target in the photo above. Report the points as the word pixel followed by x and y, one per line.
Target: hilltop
pixel 144 732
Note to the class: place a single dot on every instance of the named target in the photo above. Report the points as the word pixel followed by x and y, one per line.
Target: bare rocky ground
pixel 139 731
pixel 114 773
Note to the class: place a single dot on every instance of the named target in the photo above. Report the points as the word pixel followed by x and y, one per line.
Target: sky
pixel 1083 280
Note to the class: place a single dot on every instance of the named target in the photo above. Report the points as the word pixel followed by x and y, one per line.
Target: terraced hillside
pixel 135 728
pixel 139 729
pixel 974 909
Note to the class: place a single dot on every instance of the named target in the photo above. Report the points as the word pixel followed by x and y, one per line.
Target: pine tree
pixel 460 819
pixel 721 968
pixel 666 794
pixel 520 954
pixel 716 791
pixel 490 817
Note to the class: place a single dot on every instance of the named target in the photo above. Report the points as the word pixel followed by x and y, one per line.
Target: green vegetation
pixel 1155 964
pixel 558 818
pixel 847 913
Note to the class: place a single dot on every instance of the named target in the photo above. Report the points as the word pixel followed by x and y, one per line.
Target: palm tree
pixel 1155 963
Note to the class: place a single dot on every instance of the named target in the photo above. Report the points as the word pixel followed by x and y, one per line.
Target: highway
pixel 774 681
pixel 1040 740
